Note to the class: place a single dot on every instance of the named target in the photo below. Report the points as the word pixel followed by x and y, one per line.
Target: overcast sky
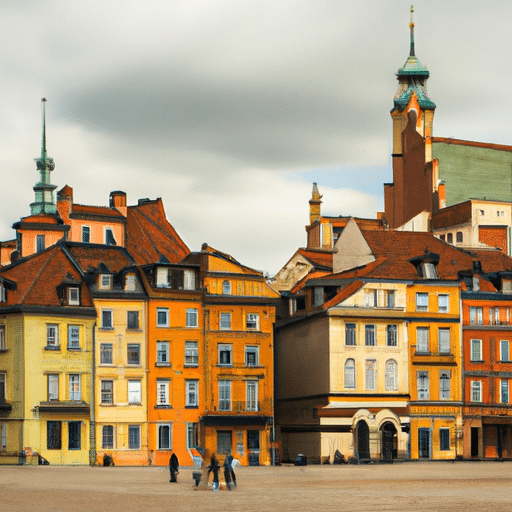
pixel 229 110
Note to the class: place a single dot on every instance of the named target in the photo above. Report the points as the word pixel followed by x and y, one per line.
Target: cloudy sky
pixel 229 110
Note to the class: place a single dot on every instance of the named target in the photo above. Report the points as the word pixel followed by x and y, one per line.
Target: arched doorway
pixel 389 442
pixel 363 440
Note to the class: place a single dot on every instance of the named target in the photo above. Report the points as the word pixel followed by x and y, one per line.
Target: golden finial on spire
pixel 411 24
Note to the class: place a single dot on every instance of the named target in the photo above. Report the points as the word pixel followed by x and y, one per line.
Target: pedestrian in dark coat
pixel 174 467
pixel 229 472
pixel 214 468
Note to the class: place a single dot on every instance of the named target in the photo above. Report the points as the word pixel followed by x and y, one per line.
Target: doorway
pixel 424 443
pixel 389 442
pixel 363 440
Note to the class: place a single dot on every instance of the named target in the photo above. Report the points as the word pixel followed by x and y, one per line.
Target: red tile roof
pixel 317 258
pixel 96 210
pixel 86 256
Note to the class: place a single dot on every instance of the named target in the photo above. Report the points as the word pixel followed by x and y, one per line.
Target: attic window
pixel 130 283
pixel 3 293
pixel 429 271
pixel 109 237
pixel 426 265
pixel 73 296
pixel 106 281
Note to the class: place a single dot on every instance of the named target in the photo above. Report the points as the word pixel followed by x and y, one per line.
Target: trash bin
pixel 301 460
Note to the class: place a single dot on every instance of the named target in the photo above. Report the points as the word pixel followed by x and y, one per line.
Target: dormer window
pixel 109 237
pixel 426 265
pixel 130 283
pixel 429 271
pixel 73 296
pixel 106 281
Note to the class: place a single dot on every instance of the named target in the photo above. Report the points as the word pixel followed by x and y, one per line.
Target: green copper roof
pixel 424 101
pixel 413 67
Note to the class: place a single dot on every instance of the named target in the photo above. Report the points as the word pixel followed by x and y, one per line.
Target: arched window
pixel 391 375
pixel 459 237
pixel 226 288
pixel 350 374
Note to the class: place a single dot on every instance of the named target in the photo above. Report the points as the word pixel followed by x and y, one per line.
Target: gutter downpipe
pixel 92 427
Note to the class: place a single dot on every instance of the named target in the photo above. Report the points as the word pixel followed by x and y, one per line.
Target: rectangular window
pixel 504 350
pixel 369 335
pixel 73 296
pixel 423 386
pixel 350 334
pixel 390 299
pixel 192 393
pixel 369 298
pixel 476 350
pixel 497 316
pixel 422 340
pixel 442 303
pixel 86 234
pixel 192 317
pixel 40 243
pixel 107 437
pixel 224 395
pixel 52 335
pixel 133 353
pixel 252 322
pixel 3 387
pixel 391 375
pixel 192 435
pixel 391 336
pixel 444 340
pixel 251 355
pixel 251 395
pixel 53 387
pixel 53 435
pixel 504 395
pixel 134 437
pixel 106 281
pixel 106 353
pixel 189 280
pixel 225 321
pixel 371 374
pixel 476 391
pixel 134 392
pixel 191 353
pixel 106 319
pixel 421 301
pixel 74 386
pixel 225 355
pixel 162 392
pixel 2 337
pixel 132 319
pixel 164 437
pixel 73 336
pixel 162 317
pixel 109 237
pixel 444 439
pixel 74 435
pixel 107 392
pixel 162 352
pixel 444 385
pixel 224 442
pixel 131 284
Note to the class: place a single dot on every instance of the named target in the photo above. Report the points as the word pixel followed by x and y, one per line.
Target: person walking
pixel 229 472
pixel 174 467
pixel 214 468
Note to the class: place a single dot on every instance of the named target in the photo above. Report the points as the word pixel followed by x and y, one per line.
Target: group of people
pixel 214 467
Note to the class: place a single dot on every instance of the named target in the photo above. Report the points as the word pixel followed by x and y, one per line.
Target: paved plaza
pixel 429 486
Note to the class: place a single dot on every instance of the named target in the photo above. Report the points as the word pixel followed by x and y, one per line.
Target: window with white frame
pixel 74 386
pixel 164 436
pixel 444 439
pixel 107 437
pixel 421 301
pixel 132 319
pixel 73 296
pixel 443 334
pixel 162 352
pixel 252 322
pixel 423 385
pixel 350 334
pixel 444 384
pixel 476 350
pixel 224 395
pixel 369 335
pixel 191 317
pixel 391 375
pixel 106 281
pixel 53 387
pixel 390 299
pixel 73 336
pixel 106 319
pixel 504 350
pixel 476 315
pixel 369 298
pixel 134 391
pixel 422 340
pixel 504 391
pixel 107 392
pixel 52 335
pixel 133 353
pixel 2 337
pixel 226 287
pixel 192 393
pixel 225 321
pixel 371 374
pixel 189 280
pixel 106 353
pixel 476 391
pixel 251 395
pixel 162 317
pixel 191 353
pixel 86 234
pixel 391 336
pixel 252 355
pixel 350 374
pixel 442 303
pixel 162 392
pixel 192 435
pixel 225 354
pixel 134 437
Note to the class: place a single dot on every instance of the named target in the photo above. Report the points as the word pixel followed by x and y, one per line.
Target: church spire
pixel 411 27
pixel 43 189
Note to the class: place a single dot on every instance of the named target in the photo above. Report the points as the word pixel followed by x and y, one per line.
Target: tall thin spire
pixel 411 27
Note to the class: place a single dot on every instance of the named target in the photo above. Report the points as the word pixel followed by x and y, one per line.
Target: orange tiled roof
pixel 91 255
pixel 317 258
pixel 96 210
pixel 149 235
